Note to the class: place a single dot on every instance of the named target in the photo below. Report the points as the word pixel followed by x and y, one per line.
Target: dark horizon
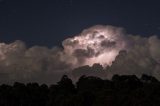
pixel 124 90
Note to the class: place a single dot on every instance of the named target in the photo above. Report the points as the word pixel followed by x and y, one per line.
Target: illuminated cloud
pixel 98 44
pixel 109 46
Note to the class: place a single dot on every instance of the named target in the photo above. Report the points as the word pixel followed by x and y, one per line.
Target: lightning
pixel 98 44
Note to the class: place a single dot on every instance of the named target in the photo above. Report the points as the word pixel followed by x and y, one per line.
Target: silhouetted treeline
pixel 126 90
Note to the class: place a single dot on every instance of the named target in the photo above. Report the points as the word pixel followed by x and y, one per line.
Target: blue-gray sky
pixel 48 22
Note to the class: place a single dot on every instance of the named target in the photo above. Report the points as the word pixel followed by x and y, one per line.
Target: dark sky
pixel 48 22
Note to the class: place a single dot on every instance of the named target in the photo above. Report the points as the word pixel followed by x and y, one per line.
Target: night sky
pixel 48 22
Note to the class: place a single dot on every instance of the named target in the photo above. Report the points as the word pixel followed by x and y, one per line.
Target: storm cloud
pixel 115 51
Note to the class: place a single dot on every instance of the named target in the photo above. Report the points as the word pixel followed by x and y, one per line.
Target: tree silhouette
pixel 122 90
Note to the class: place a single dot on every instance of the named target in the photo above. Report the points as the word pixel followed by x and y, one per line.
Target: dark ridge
pixel 124 90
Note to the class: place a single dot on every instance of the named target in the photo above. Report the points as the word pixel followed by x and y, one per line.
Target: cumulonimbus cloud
pixel 116 51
